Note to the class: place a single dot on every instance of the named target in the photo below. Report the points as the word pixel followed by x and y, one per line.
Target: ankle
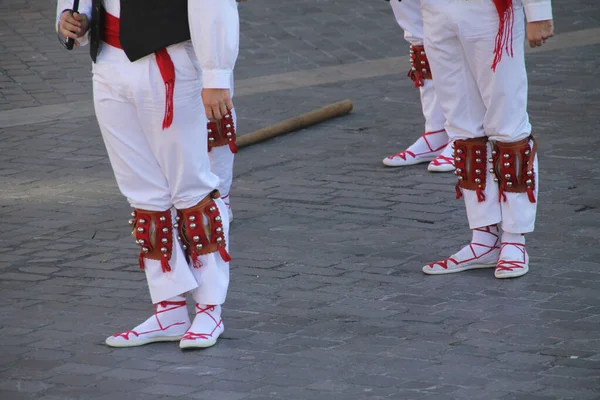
pixel 508 237
pixel 171 303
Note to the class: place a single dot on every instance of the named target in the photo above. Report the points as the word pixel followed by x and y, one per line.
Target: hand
pixel 73 25
pixel 217 103
pixel 538 32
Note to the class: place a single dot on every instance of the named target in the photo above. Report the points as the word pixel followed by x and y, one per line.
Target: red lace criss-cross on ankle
pixel 509 266
pixel 169 323
pixel 425 149
pixel 482 252
pixel 206 328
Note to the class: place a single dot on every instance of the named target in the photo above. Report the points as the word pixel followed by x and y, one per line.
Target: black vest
pixel 146 26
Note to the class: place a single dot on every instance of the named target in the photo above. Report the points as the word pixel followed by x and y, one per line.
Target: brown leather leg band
pixel 419 66
pixel 470 157
pixel 221 133
pixel 513 164
pixel 201 229
pixel 153 231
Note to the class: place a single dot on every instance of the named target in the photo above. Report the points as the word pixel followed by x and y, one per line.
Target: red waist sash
pixel 165 65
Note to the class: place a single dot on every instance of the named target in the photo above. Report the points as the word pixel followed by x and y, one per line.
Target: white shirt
pixel 538 10
pixel 214 30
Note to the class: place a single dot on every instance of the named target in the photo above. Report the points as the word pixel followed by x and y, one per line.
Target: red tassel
pixel 530 195
pixel 196 263
pixel 233 146
pixel 458 192
pixel 501 195
pixel 167 71
pixel 224 254
pixel 480 195
pixel 164 263
pixel 504 37
pixel 141 261
pixel 417 78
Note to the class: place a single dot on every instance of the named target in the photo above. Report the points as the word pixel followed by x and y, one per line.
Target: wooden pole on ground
pixel 296 123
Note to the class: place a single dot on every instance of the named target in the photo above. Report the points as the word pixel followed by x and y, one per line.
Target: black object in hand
pixel 69 43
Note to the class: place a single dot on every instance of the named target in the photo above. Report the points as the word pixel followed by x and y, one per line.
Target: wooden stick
pixel 293 124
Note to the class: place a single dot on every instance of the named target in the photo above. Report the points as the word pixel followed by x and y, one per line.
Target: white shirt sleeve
pixel 215 32
pixel 538 10
pixel 85 7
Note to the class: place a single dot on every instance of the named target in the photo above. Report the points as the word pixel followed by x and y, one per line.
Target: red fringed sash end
pixel 504 37
pixel 141 261
pixel 167 71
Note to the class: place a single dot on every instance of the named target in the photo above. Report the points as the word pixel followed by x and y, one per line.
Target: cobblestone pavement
pixel 327 298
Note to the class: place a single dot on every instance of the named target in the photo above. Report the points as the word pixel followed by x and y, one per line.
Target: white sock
pixel 508 237
pixel 166 315
pixel 429 142
pixel 512 252
pixel 484 239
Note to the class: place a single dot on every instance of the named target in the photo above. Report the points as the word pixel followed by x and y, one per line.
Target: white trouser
pixel 221 164
pixel 460 37
pixel 160 169
pixel 408 15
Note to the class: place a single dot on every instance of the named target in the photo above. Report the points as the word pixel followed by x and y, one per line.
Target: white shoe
pixel 444 162
pixel 425 149
pixel 169 323
pixel 451 264
pixel 407 157
pixel 206 328
pixel 482 252
pixel 513 262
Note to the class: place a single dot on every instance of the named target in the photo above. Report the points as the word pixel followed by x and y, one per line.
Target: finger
pixel 216 110
pixel 76 16
pixel 209 113
pixel 69 19
pixel 68 34
pixel 229 104
pixel 72 28
pixel 224 109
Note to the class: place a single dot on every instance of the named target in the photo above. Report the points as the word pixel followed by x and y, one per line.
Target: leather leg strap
pixel 514 167
pixel 419 66
pixel 470 157
pixel 221 133
pixel 153 231
pixel 201 229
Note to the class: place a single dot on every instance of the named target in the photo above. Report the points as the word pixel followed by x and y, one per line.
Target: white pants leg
pixel 460 101
pixel 157 169
pixel 408 15
pixel 460 37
